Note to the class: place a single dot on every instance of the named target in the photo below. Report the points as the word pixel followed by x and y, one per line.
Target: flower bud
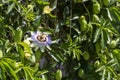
pixel 80 72
pixel 30 7
pixel 96 7
pixel 95 18
pixel 106 2
pixel 113 44
pixel 96 64
pixel 27 55
pixel 86 55
pixel 83 23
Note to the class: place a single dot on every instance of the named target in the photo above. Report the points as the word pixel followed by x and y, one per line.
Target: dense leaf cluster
pixel 85 38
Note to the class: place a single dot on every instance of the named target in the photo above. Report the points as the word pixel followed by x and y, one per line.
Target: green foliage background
pixel 86 36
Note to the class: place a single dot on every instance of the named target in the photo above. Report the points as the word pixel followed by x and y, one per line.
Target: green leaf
pixel 36 68
pixel 102 40
pixel 115 13
pixel 116 56
pixel 26 75
pixel 109 15
pixel 10 7
pixel 40 2
pixel 30 74
pixel 54 5
pixel 112 71
pixel 41 72
pixel 52 16
pixel 60 57
pixel 26 46
pixel 109 76
pixel 100 68
pixel 1 54
pixel 3 70
pixel 77 53
pixel 44 77
pixel 54 56
pixel 12 29
pixel 103 74
pixel 97 35
pixel 18 35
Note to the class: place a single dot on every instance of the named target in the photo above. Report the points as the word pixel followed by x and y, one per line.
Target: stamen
pixel 42 37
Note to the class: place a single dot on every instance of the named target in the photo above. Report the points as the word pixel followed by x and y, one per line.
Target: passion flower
pixel 40 39
pixel 47 9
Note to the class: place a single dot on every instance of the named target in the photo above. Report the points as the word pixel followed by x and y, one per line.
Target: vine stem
pixel 86 10
pixel 70 16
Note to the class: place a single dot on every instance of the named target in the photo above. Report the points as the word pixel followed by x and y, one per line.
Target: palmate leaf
pixel 9 70
pixel 115 13
pixel 10 62
pixel 76 53
pixel 28 71
pixel 28 74
pixel 111 70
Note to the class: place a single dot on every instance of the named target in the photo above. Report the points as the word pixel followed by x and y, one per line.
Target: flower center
pixel 42 37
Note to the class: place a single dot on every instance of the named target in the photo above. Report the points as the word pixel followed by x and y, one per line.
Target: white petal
pixel 48 47
pixel 38 32
pixel 42 49
pixel 36 48
pixel 56 41
pixel 32 33
pixel 33 45
pixel 29 39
